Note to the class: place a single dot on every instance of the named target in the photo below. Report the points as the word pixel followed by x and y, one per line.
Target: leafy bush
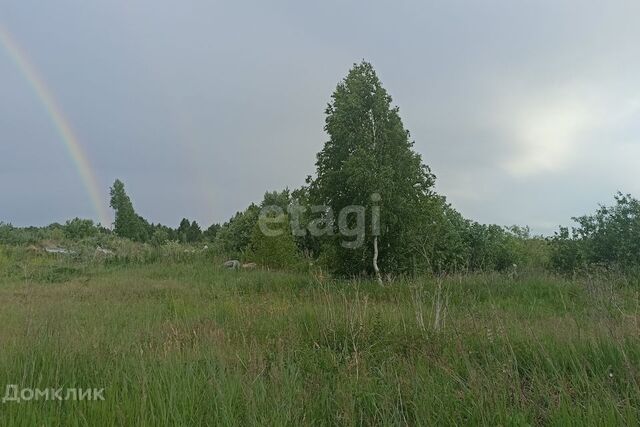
pixel 79 229
pixel 234 236
pixel 279 251
pixel 610 238
pixel 10 235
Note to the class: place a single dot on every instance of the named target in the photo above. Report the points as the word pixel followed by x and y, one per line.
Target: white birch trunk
pixel 375 259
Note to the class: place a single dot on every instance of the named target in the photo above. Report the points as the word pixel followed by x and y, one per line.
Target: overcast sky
pixel 528 112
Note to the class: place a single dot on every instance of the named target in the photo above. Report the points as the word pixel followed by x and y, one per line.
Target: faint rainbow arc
pixel 61 124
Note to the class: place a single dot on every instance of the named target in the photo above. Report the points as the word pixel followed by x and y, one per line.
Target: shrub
pixel 278 251
pixel 609 238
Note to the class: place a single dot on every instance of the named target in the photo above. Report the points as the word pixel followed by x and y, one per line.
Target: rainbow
pixel 61 124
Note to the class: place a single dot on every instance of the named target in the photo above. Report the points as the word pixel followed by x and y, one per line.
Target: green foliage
pixel 183 229
pixel 531 252
pixel 610 238
pixel 159 237
pixel 282 199
pixel 566 252
pixel 210 233
pixel 274 251
pixel 7 232
pixel 127 223
pixel 11 235
pixel 439 245
pixel 489 248
pixel 299 203
pixel 234 236
pixel 368 152
pixel 77 228
pixel 195 233
pixel 189 232
pixel 450 243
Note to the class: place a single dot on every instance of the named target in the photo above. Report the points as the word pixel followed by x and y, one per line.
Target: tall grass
pixel 181 342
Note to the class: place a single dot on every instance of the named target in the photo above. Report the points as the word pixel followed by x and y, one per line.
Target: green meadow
pixel 184 342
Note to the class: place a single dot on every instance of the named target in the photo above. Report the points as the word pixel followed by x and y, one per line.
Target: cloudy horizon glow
pixel 527 112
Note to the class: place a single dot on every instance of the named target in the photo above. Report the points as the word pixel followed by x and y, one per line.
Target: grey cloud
pixel 526 111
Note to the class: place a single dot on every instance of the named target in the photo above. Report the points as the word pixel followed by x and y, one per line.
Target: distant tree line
pixel 608 239
pixel 130 225
pixel 369 153
pixel 368 162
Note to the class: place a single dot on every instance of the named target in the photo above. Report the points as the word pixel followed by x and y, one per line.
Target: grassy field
pixel 189 344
